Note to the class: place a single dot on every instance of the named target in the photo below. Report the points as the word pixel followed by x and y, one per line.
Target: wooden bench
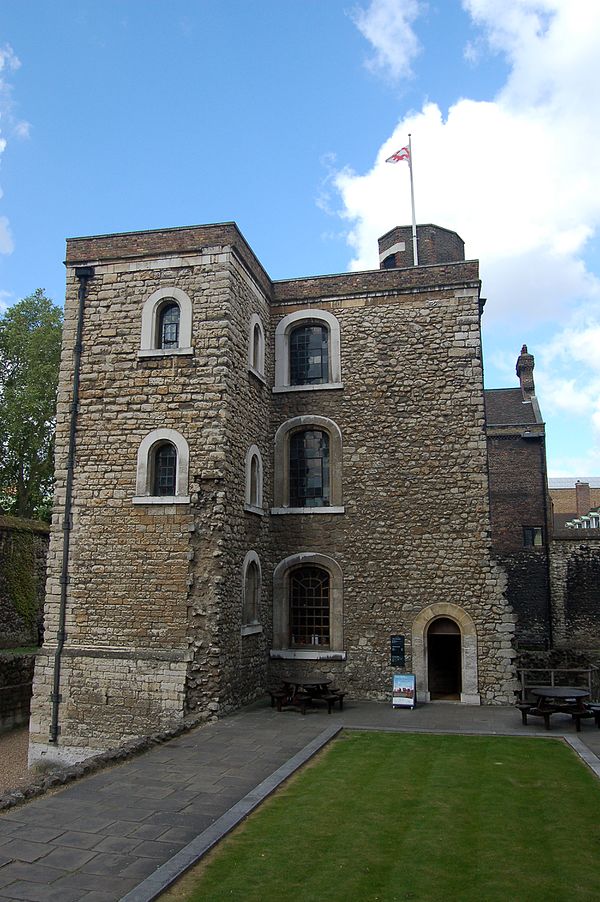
pixel 331 698
pixel 578 716
pixel 278 696
pixel 526 709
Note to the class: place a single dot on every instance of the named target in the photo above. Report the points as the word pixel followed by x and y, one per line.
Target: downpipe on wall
pixel 84 274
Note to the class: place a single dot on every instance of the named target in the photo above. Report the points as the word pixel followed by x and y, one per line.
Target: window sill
pixel 322 386
pixel 297 654
pixel 251 629
pixel 161 499
pixel 251 509
pixel 166 352
pixel 257 375
pixel 308 510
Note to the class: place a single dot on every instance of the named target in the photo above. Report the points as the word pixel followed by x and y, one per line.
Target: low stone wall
pixel 23 551
pixel 575 581
pixel 16 676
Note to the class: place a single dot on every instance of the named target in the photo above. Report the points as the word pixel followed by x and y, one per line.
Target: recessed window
pixel 256 347
pixel 165 469
pixel 309 469
pixel 307 351
pixel 168 326
pixel 309 607
pixel 162 469
pixel 533 536
pixel 251 592
pixel 389 262
pixel 254 481
pixel 309 355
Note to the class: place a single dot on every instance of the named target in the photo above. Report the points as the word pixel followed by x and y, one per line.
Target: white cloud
pixel 6 299
pixel 8 63
pixel 387 25
pixel 516 176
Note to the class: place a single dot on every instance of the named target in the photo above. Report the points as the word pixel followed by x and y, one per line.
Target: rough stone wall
pixel 16 675
pixel 517 499
pixel 23 551
pixel 575 575
pixel 130 564
pixel 416 524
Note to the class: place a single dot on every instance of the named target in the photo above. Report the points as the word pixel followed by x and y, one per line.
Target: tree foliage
pixel 30 340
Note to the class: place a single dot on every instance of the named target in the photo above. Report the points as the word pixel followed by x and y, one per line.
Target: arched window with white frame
pixel 256 347
pixel 253 501
pixel 162 469
pixel 166 324
pixel 308 467
pixel 307 351
pixel 308 608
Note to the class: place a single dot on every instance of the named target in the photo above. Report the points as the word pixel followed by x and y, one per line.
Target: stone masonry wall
pixel 416 524
pixel 130 566
pixel 23 551
pixel 575 576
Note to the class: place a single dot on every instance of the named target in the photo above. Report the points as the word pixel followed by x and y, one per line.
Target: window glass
pixel 309 469
pixel 165 470
pixel 256 347
pixel 251 587
pixel 168 326
pixel 254 481
pixel 309 355
pixel 309 606
pixel 533 536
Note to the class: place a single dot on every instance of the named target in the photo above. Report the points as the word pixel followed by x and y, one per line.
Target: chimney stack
pixel 525 365
pixel 583 498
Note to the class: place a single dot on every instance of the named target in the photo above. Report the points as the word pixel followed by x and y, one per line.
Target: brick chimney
pixel 435 244
pixel 583 498
pixel 525 365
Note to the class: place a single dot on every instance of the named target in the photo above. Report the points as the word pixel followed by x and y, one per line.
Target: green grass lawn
pixel 392 816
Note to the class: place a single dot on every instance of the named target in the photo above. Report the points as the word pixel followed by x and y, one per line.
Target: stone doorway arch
pixel 469 694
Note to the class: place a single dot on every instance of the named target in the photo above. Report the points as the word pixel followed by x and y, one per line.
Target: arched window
pixel 168 326
pixel 309 355
pixel 164 466
pixel 308 608
pixel 308 467
pixel 162 469
pixel 254 481
pixel 307 351
pixel 256 347
pixel 251 591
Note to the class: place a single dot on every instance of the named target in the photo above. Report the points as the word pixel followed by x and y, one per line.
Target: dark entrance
pixel 444 659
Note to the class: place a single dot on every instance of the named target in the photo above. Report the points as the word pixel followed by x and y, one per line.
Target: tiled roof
pixel 506 407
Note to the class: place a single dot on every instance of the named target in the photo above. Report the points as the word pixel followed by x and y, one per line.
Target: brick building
pixel 257 475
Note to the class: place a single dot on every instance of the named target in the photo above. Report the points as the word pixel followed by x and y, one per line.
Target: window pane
pixel 309 469
pixel 256 343
pixel 254 480
pixel 250 613
pixel 165 470
pixel 533 536
pixel 309 606
pixel 309 355
pixel 169 326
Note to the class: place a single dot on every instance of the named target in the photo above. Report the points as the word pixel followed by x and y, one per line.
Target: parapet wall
pixel 575 580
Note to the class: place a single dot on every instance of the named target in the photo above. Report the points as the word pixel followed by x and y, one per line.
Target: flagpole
pixel 412 200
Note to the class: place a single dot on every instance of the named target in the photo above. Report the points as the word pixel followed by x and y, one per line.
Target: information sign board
pixel 397 658
pixel 404 690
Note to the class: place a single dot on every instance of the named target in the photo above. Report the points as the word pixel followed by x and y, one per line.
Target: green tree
pixel 30 339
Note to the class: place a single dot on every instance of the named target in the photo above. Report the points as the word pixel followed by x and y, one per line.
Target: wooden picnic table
pixel 558 700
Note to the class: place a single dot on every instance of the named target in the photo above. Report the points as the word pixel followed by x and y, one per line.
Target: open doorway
pixel 444 667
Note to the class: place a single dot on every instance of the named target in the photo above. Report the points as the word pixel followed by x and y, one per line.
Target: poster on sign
pixel 404 690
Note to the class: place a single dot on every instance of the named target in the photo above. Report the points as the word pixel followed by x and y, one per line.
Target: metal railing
pixel 585 677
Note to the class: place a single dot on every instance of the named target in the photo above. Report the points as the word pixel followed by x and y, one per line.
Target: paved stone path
pixel 104 835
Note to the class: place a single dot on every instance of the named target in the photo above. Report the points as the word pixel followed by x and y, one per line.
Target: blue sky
pixel 278 114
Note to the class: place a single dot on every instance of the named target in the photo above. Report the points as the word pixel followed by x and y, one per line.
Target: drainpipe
pixel 83 273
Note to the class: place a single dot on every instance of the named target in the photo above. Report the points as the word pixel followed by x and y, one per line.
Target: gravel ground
pixel 13 759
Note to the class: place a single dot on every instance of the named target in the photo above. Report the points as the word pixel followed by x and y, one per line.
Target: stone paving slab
pixel 109 834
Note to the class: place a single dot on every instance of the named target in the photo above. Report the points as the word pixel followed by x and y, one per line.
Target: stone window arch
pixel 256 347
pixel 251 594
pixel 470 692
pixel 308 608
pixel 166 324
pixel 162 465
pixel 307 351
pixel 312 444
pixel 254 481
